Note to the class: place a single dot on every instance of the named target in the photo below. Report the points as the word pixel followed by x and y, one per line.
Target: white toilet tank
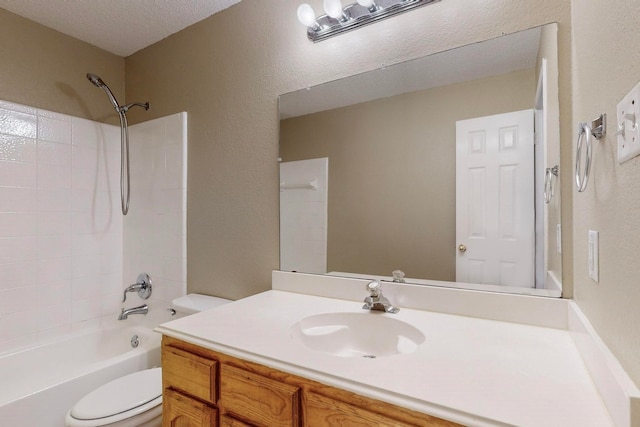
pixel 195 303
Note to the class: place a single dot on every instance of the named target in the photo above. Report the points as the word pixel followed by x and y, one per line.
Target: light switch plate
pixel 559 238
pixel 628 129
pixel 594 261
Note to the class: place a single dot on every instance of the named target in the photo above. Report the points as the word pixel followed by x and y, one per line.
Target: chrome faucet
pixel 142 287
pixel 376 301
pixel 142 309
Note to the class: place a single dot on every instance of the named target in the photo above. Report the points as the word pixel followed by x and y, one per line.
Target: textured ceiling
pixel 118 26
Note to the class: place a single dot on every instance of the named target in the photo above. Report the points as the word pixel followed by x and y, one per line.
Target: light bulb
pixel 333 8
pixel 369 4
pixel 306 15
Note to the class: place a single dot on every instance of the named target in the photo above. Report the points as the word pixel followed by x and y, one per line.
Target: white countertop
pixel 472 371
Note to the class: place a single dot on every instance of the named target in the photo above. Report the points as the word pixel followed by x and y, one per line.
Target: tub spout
pixel 143 309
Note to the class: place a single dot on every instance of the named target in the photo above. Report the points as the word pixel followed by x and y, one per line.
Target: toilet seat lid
pixel 121 395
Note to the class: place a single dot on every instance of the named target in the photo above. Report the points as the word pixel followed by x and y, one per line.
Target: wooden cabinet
pixel 179 410
pixel 258 399
pixel 207 388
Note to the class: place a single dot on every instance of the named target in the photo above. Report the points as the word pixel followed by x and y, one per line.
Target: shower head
pixel 99 83
pixel 95 80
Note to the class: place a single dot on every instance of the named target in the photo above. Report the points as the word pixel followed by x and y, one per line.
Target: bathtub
pixel 40 384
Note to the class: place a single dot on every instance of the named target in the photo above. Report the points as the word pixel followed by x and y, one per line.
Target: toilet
pixel 134 400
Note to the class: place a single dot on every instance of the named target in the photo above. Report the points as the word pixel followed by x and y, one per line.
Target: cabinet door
pixel 324 411
pixel 179 410
pixel 190 373
pixel 227 421
pixel 257 399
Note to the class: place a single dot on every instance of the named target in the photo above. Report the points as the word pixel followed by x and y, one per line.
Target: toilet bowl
pixel 134 400
pixel 130 401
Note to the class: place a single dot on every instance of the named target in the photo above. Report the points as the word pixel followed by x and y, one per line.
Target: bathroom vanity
pixel 245 364
pixel 201 385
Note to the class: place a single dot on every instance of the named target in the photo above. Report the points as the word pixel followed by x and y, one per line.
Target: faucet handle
pixel 142 286
pixel 374 287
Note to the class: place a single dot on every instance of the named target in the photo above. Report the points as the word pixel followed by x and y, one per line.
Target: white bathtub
pixel 39 385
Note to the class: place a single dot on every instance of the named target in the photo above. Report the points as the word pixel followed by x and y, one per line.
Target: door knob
pixel 462 248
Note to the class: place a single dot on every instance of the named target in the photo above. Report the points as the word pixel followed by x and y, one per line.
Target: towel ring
pixel 597 129
pixel 584 135
pixel 549 191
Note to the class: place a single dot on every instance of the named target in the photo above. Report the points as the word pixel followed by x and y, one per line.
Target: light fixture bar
pixel 359 16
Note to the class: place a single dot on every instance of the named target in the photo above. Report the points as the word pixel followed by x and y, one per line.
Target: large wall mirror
pixel 443 169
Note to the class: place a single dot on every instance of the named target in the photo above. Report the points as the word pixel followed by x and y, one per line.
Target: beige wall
pixel 228 78
pixel 607 66
pixel 43 68
pixel 392 172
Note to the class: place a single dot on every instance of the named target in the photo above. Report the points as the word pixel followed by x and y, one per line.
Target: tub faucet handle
pixel 142 286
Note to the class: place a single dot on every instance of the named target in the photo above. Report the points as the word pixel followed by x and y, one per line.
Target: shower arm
pixel 127 107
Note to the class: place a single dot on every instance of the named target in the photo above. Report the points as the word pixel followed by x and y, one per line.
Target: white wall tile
pixel 15 224
pixel 62 263
pixel 54 130
pixel 53 199
pixel 53 270
pixel 53 176
pixel 86 132
pixel 54 223
pixel 17 107
pixel 84 288
pixel 84 311
pixel 54 246
pixel 53 115
pixel 16 274
pixel 17 148
pixel 85 244
pixel 55 294
pixel 18 249
pixel 155 229
pixel 54 319
pixel 18 324
pixel 54 153
pixel 17 174
pixel 14 199
pixel 84 157
pixel 18 124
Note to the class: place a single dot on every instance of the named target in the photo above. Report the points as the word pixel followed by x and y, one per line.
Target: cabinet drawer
pixel 183 411
pixel 324 411
pixel 257 399
pixel 193 374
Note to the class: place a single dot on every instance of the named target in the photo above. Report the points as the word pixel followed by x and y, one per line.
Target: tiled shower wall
pixel 61 230
pixel 155 228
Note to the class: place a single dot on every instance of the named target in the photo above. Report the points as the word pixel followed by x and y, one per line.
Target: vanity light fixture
pixel 339 19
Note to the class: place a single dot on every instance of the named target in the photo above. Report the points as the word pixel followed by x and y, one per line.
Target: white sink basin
pixel 365 334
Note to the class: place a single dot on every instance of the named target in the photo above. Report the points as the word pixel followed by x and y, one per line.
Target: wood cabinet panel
pixel 324 411
pixel 248 394
pixel 193 374
pixel 258 399
pixel 179 410
pixel 227 421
